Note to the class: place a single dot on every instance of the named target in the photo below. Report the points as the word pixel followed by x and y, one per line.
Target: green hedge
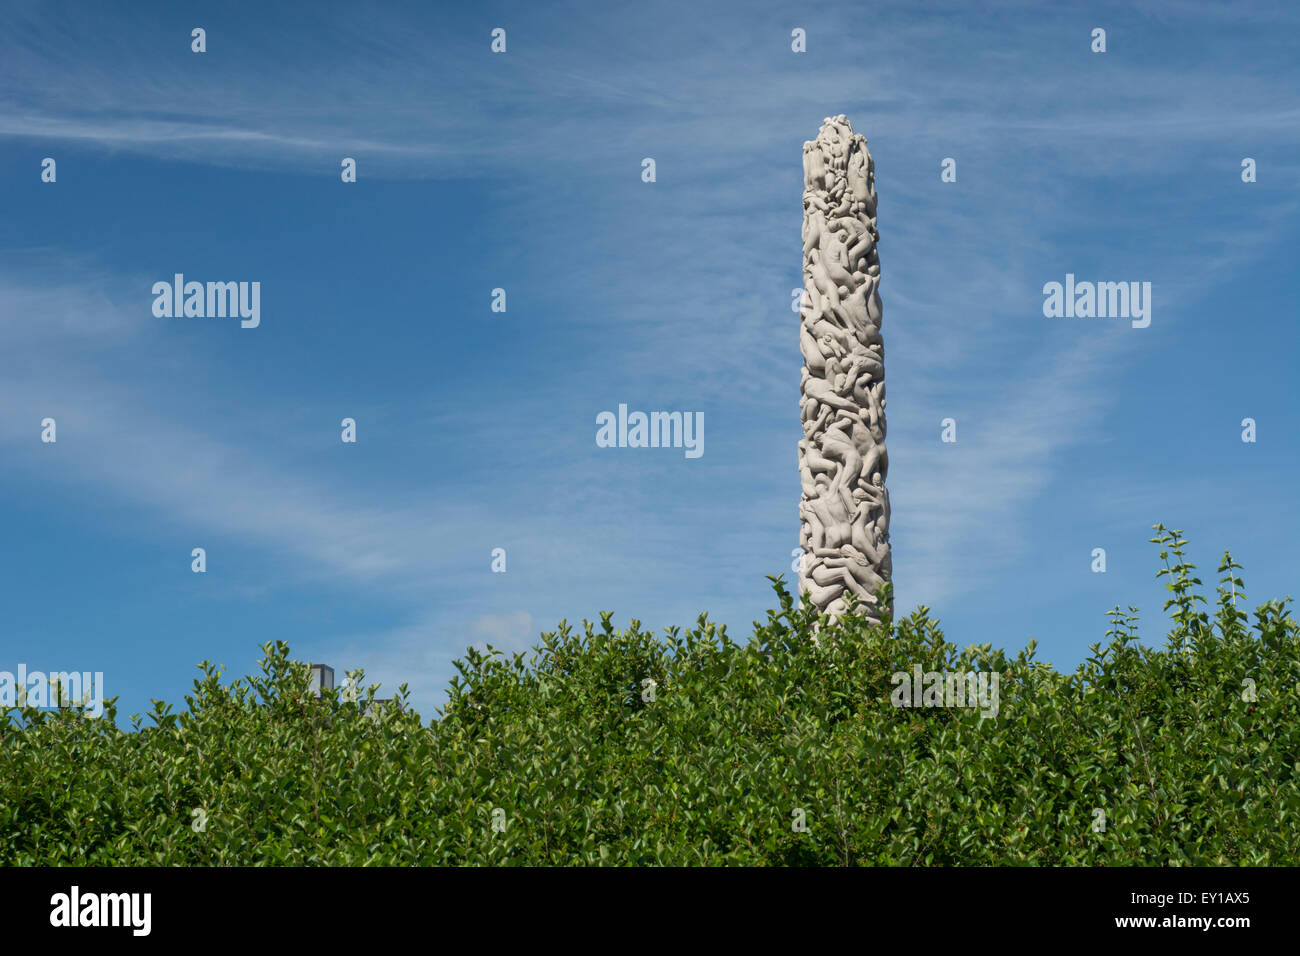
pixel 565 752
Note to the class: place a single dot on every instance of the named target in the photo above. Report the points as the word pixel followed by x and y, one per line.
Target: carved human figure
pixel 844 506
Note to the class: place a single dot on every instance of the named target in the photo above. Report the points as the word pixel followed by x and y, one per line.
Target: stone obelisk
pixel 844 507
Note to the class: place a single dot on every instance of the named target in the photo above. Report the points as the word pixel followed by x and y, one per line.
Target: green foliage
pixel 710 764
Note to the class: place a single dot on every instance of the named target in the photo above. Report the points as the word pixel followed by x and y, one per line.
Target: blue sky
pixel 522 170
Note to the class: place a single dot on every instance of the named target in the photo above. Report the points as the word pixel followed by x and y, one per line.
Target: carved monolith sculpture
pixel 844 507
